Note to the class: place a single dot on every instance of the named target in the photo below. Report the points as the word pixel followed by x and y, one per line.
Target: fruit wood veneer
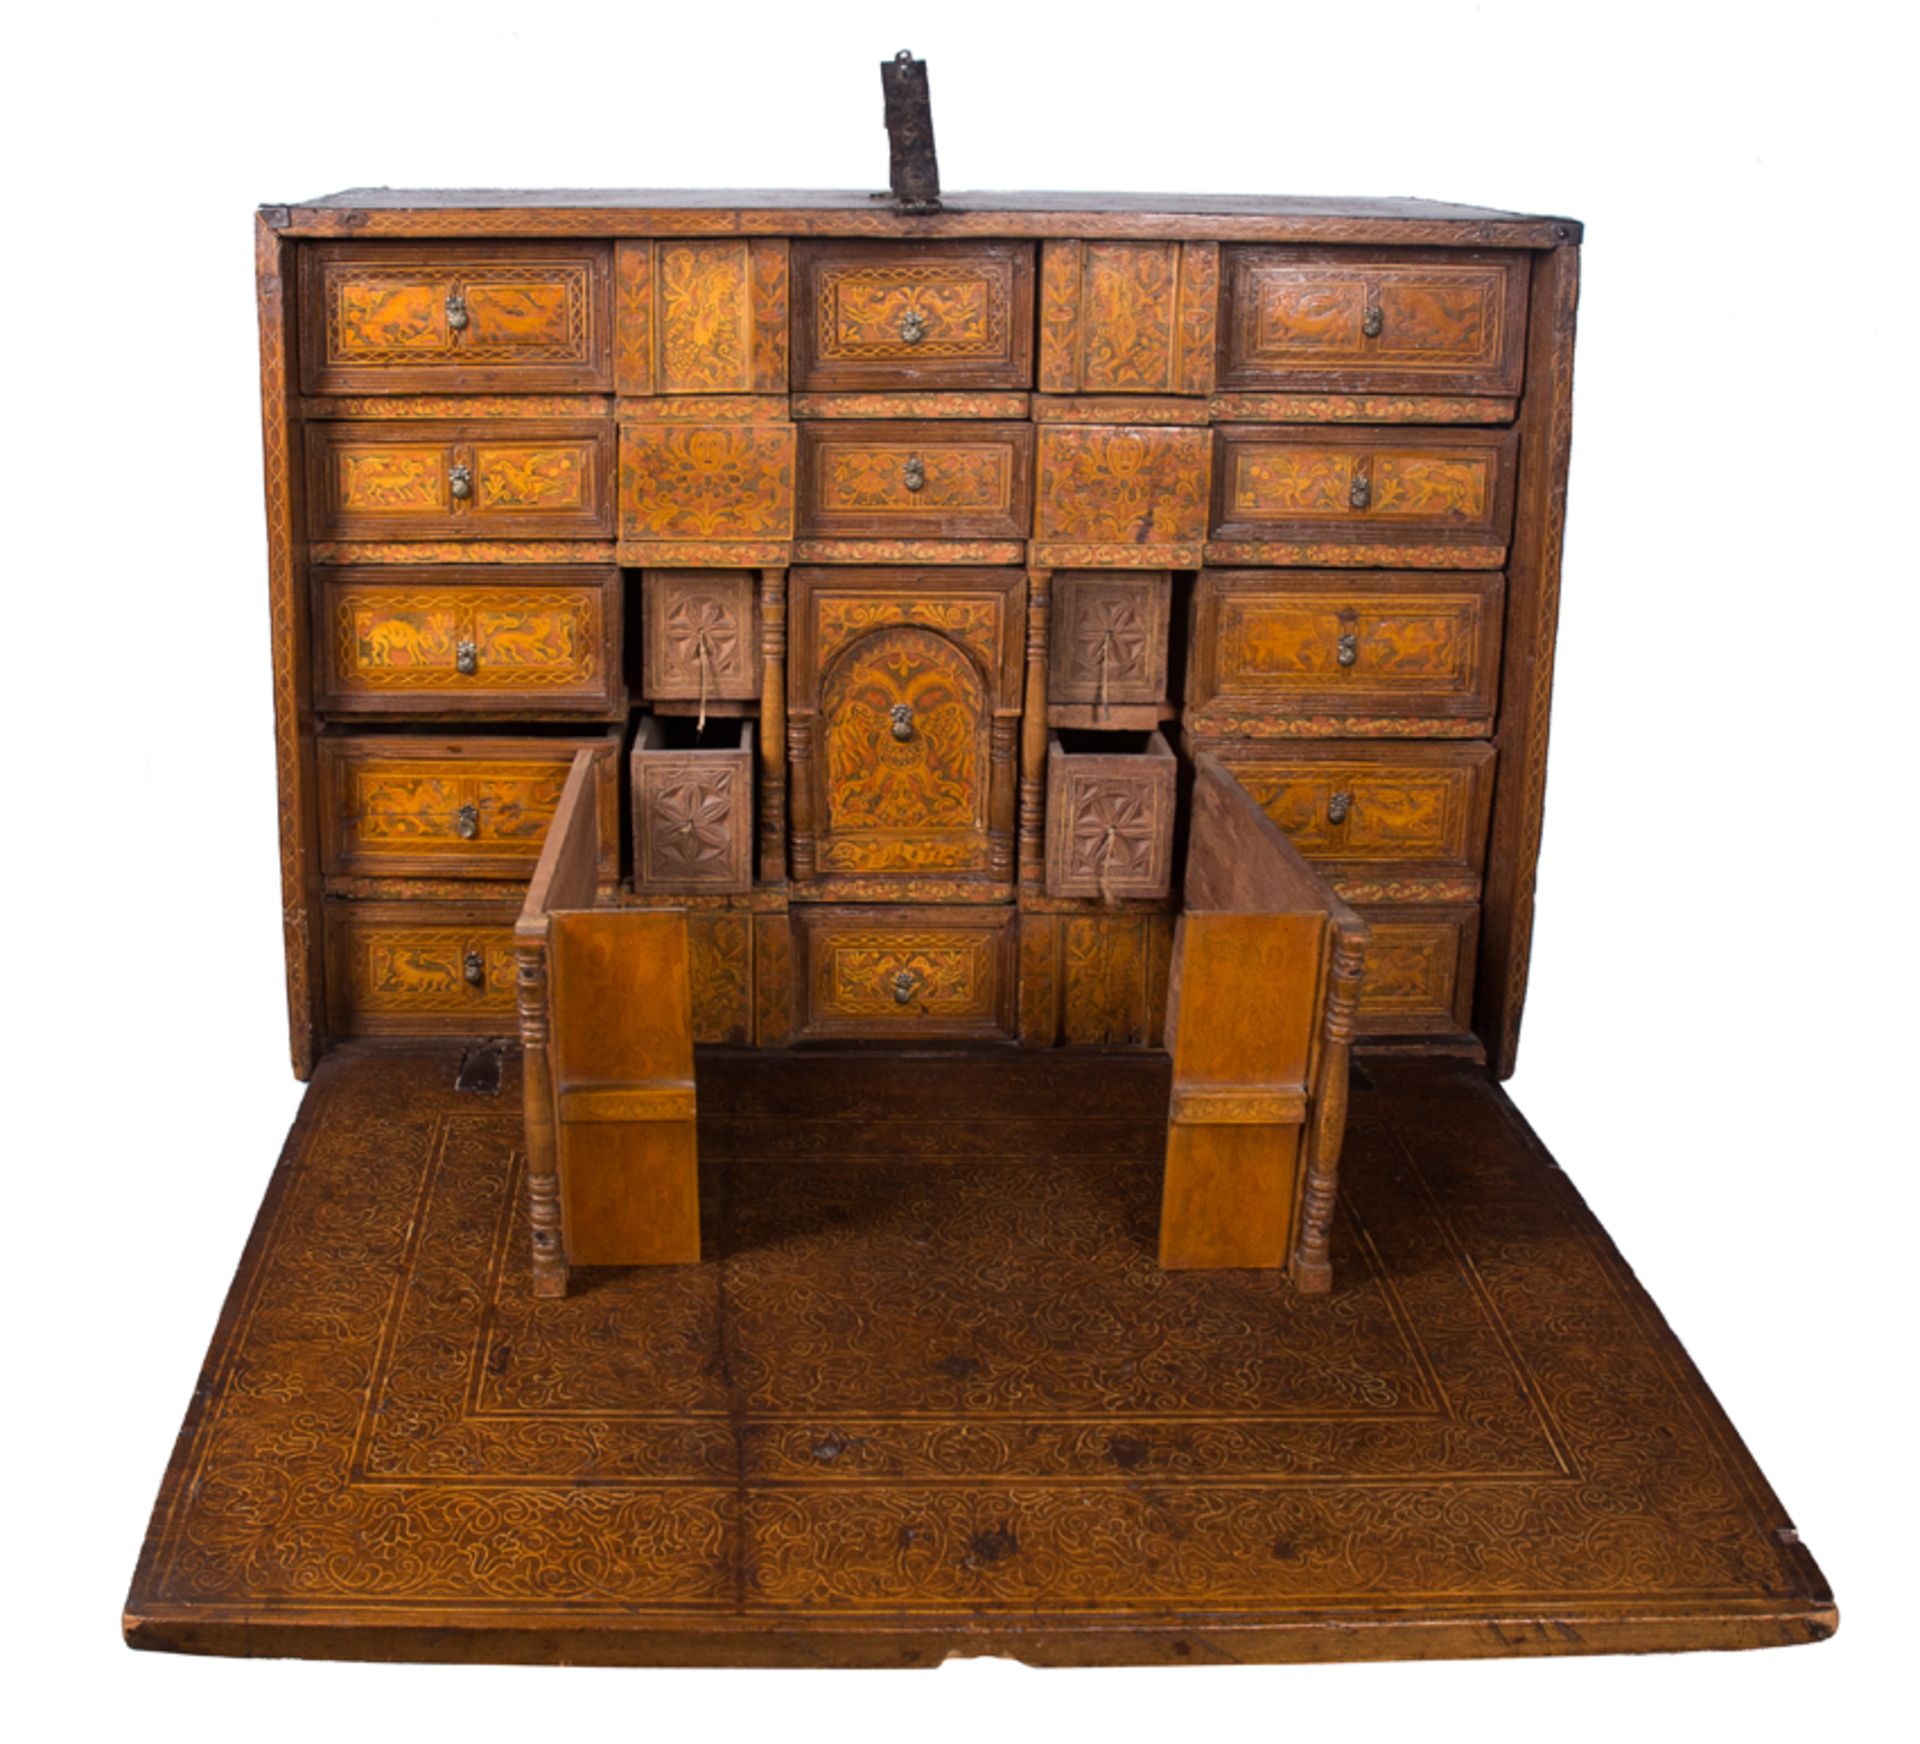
pixel 1340 424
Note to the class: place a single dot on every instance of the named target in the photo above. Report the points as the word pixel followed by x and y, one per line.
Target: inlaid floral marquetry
pixel 700 316
pixel 1371 807
pixel 1113 975
pixel 456 317
pixel 701 641
pixel 720 975
pixel 401 480
pixel 1128 317
pixel 1107 643
pixel 1120 497
pixel 420 968
pixel 1271 647
pixel 906 973
pixel 1363 486
pixel 397 806
pixel 904 315
pixel 706 481
pixel 899 478
pixel 1418 321
pixel 693 807
pixel 1110 801
pixel 468 641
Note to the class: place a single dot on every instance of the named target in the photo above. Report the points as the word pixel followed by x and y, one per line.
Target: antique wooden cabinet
pixel 896 566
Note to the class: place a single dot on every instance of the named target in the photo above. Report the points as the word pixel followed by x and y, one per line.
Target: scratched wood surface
pixel 928 1393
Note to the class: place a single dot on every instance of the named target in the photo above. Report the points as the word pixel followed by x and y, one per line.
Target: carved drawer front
pixel 1361 485
pixel 912 315
pixel 1418 809
pixel 1107 643
pixel 453 808
pixel 404 480
pixel 497 640
pixel 693 805
pixel 905 974
pixel 1281 651
pixel 1120 496
pixel 955 479
pixel 702 635
pixel 420 968
pixel 1110 799
pixel 1420 964
pixel 1433 321
pixel 456 318
pixel 1128 317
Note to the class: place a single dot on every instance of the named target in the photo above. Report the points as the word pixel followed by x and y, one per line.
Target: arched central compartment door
pixel 906 760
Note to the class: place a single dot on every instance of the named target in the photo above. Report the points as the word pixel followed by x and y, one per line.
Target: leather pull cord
pixel 1101 707
pixel 1107 844
pixel 706 667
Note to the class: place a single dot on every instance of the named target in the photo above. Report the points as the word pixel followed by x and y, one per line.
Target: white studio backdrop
pixel 1716 1041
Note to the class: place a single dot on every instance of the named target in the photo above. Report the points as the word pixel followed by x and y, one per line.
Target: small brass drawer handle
pixel 1373 320
pixel 456 311
pixel 1349 649
pixel 466 658
pixel 474 967
pixel 466 822
pixel 1338 807
pixel 1360 491
pixel 914 474
pixel 902 713
pixel 913 327
pixel 460 483
pixel 905 984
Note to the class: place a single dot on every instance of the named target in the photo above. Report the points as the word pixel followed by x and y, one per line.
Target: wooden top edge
pixel 612 212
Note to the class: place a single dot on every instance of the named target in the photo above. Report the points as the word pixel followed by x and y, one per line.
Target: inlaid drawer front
pixel 406 480
pixel 906 973
pixel 464 317
pixel 701 316
pixel 460 808
pixel 1110 800
pixel 702 640
pixel 1120 496
pixel 420 968
pixel 1419 978
pixel 693 806
pixel 1405 321
pixel 904 315
pixel 952 479
pixel 1107 644
pixel 494 640
pixel 693 484
pixel 1128 317
pixel 1420 807
pixel 1358 485
pixel 1274 650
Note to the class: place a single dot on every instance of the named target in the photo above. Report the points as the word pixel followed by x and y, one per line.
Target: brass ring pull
pixel 905 984
pixel 902 714
pixel 466 822
pixel 914 474
pixel 474 967
pixel 913 327
pixel 1349 648
pixel 456 311
pixel 1373 320
pixel 1338 807
pixel 460 483
pixel 466 658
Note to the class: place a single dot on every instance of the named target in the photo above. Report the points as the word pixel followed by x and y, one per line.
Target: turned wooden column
pixel 1312 1264
pixel 800 796
pixel 543 1171
pixel 1033 731
pixel 773 726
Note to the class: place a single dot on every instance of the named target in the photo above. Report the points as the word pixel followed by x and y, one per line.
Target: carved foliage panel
pixel 702 316
pixel 701 640
pixel 686 481
pixel 443 318
pixel 1128 317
